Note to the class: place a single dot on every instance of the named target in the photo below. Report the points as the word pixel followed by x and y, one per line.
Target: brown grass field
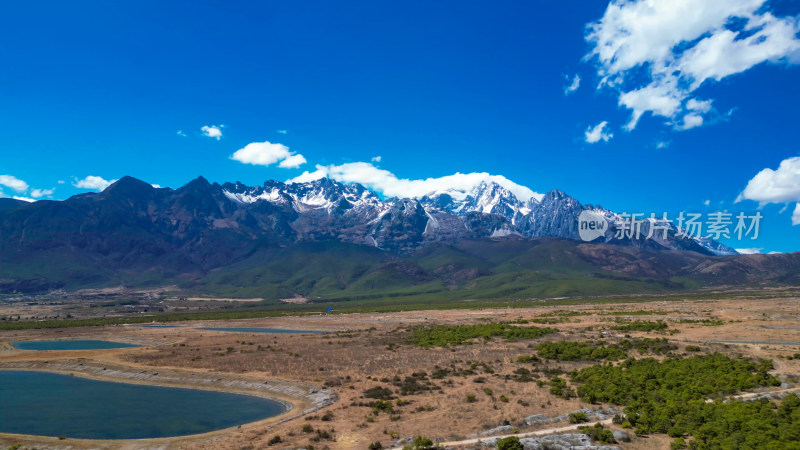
pixel 368 350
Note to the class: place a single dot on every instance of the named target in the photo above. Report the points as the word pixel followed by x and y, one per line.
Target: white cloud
pixel 387 183
pixel 749 251
pixel 92 182
pixel 573 85
pixel 212 131
pixel 307 176
pixel 775 186
pixel 266 153
pixel 659 99
pixel 39 193
pixel 702 106
pixel 13 183
pixel 690 120
pixel 376 159
pixel 181 133
pixel 24 199
pixel 61 181
pixel 282 131
pixel 598 133
pixel 293 162
pixel 707 202
pixel 656 53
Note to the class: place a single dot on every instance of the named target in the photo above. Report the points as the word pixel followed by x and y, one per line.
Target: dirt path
pixel 747 395
pixel 544 432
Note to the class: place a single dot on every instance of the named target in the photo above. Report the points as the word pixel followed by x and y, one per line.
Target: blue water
pixel 49 404
pixel 263 330
pixel 78 344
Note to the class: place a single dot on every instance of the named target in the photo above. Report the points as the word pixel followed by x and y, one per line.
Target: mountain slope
pixel 287 239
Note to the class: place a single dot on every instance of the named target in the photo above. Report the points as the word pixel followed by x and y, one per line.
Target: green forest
pixel 682 397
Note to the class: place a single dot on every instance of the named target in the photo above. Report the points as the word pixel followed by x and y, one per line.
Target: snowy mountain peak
pixel 325 207
pixel 486 198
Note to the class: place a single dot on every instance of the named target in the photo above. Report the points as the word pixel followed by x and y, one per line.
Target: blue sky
pixel 432 88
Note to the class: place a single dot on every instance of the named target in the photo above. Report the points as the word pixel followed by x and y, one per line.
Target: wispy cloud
pixel 181 133
pixel 598 133
pixel 749 251
pixel 39 193
pixel 796 215
pixel 573 85
pixel 13 182
pixel 282 131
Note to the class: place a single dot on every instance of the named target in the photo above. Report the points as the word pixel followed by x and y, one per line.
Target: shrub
pixel 323 435
pixel 598 433
pixel 678 444
pixel 378 392
pixel 578 417
pixel 421 443
pixel 379 406
pixel 274 440
pixel 471 398
pixel 558 387
pixel 510 443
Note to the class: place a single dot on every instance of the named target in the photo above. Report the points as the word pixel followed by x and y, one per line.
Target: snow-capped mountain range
pixel 352 213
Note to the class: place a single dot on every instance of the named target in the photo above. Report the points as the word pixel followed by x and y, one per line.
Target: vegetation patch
pixel 580 351
pixel 704 322
pixel 445 335
pixel 417 383
pixel 670 396
pixel 559 388
pixel 641 325
pixel 657 346
pixel 510 443
pixel 379 392
pixel 598 433
pixel 599 350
